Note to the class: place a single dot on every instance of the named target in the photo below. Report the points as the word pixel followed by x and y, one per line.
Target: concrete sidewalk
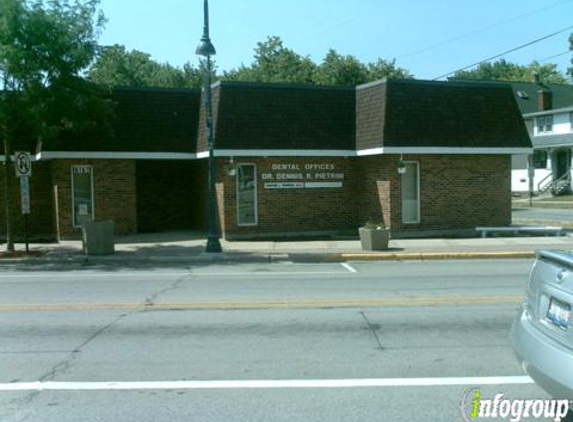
pixel 189 247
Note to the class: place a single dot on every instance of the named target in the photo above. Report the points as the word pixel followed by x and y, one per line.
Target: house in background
pixel 547 111
pixel 551 131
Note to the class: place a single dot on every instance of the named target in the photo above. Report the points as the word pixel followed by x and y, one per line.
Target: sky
pixel 428 37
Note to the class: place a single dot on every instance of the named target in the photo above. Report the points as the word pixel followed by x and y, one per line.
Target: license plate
pixel 559 313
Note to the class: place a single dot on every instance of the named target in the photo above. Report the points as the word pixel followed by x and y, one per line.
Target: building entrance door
pixel 562 162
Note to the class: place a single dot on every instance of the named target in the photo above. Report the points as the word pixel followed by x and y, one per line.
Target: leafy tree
pixel 387 69
pixel 274 63
pixel 506 71
pixel 336 69
pixel 45 46
pixel 116 66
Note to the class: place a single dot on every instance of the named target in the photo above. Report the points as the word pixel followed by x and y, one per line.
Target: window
pixel 411 193
pixel 539 159
pixel 523 95
pixel 247 195
pixel 82 194
pixel 544 124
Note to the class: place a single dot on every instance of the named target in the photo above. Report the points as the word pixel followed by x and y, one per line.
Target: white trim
pixel 419 220
pixel 109 155
pixel 443 150
pixel 103 155
pixel 283 153
pixel 32 158
pixel 74 225
pixel 256 199
pixel 547 112
pixel 367 152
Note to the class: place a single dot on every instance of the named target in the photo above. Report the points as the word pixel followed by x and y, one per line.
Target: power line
pixel 483 29
pixel 506 52
pixel 323 31
pixel 554 56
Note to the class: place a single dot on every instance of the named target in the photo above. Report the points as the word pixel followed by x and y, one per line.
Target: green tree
pixel 387 69
pixel 274 63
pixel 45 46
pixel 336 69
pixel 506 71
pixel 116 66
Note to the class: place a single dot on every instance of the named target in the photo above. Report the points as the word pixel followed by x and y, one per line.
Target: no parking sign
pixel 23 164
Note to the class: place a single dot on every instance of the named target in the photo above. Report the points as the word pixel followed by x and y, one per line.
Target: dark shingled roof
pixel 438 114
pixel 562 94
pixel 147 120
pixel 443 114
pixel 257 116
pixel 284 116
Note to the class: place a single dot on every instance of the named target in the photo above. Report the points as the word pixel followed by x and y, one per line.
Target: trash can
pixel 98 237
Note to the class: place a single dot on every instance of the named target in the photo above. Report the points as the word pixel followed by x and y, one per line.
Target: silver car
pixel 542 334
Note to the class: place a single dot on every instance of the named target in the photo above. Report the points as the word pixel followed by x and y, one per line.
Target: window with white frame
pixel 544 124
pixel 411 193
pixel 539 159
pixel 82 194
pixel 247 195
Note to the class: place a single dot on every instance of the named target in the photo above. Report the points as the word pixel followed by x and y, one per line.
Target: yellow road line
pixel 270 304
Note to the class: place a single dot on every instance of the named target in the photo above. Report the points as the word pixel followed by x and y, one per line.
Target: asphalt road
pixel 285 342
pixel 551 214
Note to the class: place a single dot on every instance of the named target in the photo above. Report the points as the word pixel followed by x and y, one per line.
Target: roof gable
pixel 427 114
pixel 146 120
pixel 283 116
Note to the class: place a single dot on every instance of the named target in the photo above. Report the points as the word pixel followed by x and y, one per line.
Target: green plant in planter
pixel 370 225
pixel 374 236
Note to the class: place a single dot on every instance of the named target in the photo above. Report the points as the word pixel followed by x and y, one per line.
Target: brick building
pixel 422 157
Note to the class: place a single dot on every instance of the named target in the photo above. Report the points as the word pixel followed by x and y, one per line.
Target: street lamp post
pixel 206 49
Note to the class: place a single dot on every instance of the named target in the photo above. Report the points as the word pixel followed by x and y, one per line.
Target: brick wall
pixel 41 219
pixel 465 191
pixel 114 194
pixel 283 211
pixel 370 112
pixel 457 192
pixel 380 195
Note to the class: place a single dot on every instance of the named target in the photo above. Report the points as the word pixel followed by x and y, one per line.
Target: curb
pixel 270 258
pixel 197 259
pixel 431 256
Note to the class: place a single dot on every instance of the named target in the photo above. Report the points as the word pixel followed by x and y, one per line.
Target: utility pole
pixel 7 193
pixel 207 49
pixel 7 169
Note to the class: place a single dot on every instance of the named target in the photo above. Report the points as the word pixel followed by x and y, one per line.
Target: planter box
pixel 98 237
pixel 374 239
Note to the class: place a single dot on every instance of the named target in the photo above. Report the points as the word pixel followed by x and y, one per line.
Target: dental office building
pixel 424 158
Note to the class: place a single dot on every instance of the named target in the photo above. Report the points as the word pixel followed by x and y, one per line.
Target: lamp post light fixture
pixel 206 49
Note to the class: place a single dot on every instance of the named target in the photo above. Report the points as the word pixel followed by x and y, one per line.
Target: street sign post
pixel 25 194
pixel 25 201
pixel 23 167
